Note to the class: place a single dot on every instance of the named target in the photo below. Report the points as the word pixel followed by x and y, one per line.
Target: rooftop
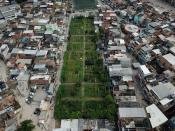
pixel 21 51
pixel 170 58
pixel 7 102
pixel 132 112
pixel 172 49
pixel 145 70
pixel 157 118
pixel 117 70
pixel 40 77
pixel 164 90
pixel 83 124
pixel 24 61
pixel 23 77
pixel 165 101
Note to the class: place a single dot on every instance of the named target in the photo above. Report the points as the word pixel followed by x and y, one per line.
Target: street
pixel 3 71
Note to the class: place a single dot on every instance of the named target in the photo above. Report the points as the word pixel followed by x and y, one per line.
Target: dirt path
pixel 84 57
pixel 84 99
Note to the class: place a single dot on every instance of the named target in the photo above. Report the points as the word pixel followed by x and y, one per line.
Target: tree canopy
pixel 26 125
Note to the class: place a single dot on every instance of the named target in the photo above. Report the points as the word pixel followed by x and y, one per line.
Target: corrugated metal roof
pixel 163 90
pixel 132 112
pixel 157 118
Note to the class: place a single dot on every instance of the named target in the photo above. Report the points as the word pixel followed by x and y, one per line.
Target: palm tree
pixel 26 125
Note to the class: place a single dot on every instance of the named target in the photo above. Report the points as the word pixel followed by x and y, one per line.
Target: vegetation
pixel 102 110
pixel 68 109
pixel 26 126
pixel 95 90
pixel 84 91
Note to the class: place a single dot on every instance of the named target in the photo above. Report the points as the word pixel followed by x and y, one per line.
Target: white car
pixel 31 94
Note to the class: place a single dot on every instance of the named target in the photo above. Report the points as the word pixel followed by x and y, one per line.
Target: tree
pixel 26 125
pixel 109 99
pixel 101 32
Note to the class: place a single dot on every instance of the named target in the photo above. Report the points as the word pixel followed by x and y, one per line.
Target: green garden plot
pixel 73 73
pixel 94 109
pixel 70 90
pixel 90 46
pixel 75 46
pixel 77 39
pixel 68 109
pixel 89 69
pixel 95 90
pixel 89 30
pixel 99 109
pixel 72 69
pixel 90 39
pixel 83 89
pixel 77 21
pixel 91 55
pixel 72 77
pixel 76 30
pixel 76 56
pixel 89 77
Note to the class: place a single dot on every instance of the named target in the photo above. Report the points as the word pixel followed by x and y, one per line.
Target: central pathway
pixel 84 54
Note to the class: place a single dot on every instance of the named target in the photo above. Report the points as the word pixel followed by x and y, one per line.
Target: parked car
pixel 37 111
pixel 28 100
pixel 33 88
pixel 31 94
